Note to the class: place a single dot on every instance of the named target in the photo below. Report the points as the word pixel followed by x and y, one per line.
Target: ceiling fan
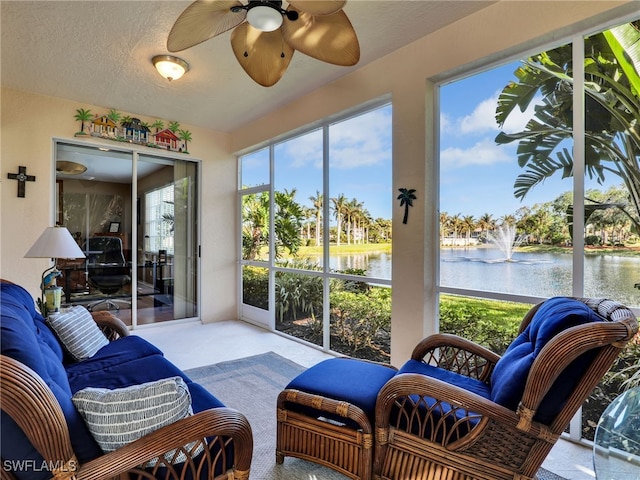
pixel 265 35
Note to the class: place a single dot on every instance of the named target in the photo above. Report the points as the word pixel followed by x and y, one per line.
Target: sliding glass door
pixel 167 236
pixel 140 238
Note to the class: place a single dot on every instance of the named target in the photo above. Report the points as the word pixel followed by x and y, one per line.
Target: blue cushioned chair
pixel 458 411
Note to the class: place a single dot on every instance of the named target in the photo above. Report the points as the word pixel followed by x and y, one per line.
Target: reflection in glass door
pixel 94 203
pixel 167 246
pixel 140 238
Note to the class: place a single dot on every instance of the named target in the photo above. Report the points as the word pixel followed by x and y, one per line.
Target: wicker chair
pixel 31 404
pixel 429 426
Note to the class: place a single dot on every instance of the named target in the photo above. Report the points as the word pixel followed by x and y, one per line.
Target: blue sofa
pixel 44 434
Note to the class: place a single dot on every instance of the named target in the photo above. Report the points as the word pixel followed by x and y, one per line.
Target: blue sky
pixel 476 175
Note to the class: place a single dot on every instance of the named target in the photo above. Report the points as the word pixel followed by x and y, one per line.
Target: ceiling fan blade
pixel 330 38
pixel 318 7
pixel 202 20
pixel 265 56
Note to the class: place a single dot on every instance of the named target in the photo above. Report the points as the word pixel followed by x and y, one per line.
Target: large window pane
pixel 298 306
pixel 502 228
pixel 298 201
pixel 360 194
pixel 361 319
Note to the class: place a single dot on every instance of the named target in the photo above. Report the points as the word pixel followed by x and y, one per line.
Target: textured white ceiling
pixel 99 52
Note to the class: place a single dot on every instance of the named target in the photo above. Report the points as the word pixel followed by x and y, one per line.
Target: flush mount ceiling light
pixel 170 67
pixel 70 168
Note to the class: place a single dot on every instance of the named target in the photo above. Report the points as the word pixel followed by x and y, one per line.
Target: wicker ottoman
pixel 326 415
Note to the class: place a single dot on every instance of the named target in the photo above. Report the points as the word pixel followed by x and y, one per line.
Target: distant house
pixel 167 139
pixel 135 132
pixel 103 126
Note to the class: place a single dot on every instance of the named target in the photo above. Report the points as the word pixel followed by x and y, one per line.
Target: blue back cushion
pixel 510 374
pixel 25 337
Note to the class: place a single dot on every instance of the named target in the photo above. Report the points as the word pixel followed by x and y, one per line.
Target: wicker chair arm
pixel 456 354
pixel 217 422
pixel 32 405
pixel 405 392
pixel 111 325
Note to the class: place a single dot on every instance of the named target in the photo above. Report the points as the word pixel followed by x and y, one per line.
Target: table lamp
pixel 54 243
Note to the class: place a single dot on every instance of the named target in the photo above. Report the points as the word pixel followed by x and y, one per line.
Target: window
pixel 159 219
pixel 316 232
pixel 533 206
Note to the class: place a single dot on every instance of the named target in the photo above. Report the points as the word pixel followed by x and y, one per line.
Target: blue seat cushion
pixel 101 372
pixel 343 379
pixel 510 373
pixel 462 381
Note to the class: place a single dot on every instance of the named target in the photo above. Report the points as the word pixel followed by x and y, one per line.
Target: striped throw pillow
pixel 123 415
pixel 78 332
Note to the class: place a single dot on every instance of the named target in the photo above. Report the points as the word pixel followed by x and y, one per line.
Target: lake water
pixel 535 274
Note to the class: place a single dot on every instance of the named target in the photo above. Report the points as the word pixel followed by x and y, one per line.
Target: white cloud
pixel 482 119
pixel 484 152
pixel 357 142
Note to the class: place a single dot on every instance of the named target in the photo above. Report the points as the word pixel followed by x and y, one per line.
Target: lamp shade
pixel 55 242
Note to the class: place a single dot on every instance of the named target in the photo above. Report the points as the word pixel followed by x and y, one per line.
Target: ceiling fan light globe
pixel 264 18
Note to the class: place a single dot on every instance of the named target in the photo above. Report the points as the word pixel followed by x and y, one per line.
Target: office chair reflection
pixel 107 269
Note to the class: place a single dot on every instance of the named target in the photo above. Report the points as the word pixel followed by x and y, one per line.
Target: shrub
pixel 359 318
pixel 255 287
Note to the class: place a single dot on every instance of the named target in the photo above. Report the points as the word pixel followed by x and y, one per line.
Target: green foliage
pixel 612 101
pixel 358 318
pixel 489 323
pixel 255 287
pixel 298 295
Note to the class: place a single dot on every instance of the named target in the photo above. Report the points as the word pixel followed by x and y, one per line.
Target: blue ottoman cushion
pixel 344 379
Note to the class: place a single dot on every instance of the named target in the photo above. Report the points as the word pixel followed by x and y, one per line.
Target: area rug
pixel 251 385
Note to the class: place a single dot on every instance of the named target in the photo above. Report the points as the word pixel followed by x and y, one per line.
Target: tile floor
pixel 193 344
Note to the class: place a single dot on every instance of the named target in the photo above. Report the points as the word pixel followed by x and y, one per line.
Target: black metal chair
pixel 107 269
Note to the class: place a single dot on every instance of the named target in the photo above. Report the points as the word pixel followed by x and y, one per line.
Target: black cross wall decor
pixel 21 177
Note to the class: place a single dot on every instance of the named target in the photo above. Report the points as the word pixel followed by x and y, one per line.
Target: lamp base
pixel 53 297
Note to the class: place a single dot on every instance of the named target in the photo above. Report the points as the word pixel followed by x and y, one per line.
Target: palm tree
pixel 114 116
pixel 339 204
pixel 486 223
pixel 612 98
pixel 185 136
pixel 82 116
pixel 444 221
pixel 174 126
pixel 469 224
pixel 406 197
pixel 317 206
pixel 158 125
